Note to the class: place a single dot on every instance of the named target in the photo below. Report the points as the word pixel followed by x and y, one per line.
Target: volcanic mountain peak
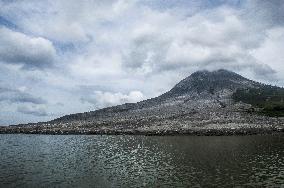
pixel 211 82
pixel 221 73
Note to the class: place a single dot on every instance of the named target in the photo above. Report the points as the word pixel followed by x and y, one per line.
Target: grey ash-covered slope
pixel 200 85
pixel 200 104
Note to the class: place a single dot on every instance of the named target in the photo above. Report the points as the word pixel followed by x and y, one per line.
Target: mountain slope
pixel 201 84
pixel 203 103
pixel 269 99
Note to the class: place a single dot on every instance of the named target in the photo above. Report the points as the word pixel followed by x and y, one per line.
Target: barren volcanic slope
pixel 205 103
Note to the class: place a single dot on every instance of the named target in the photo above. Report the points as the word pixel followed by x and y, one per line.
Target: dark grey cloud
pixel 146 52
pixel 268 13
pixel 26 98
pixel 32 110
pixel 17 96
pixel 264 71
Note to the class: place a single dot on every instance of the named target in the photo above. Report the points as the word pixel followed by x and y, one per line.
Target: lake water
pixel 141 161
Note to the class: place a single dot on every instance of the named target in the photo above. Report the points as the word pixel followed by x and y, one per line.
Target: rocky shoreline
pixel 191 132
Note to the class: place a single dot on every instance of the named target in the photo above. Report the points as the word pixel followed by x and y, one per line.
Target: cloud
pixel 32 110
pixel 271 51
pixel 212 34
pixel 30 52
pixel 208 40
pixel 265 13
pixel 104 99
pixel 18 96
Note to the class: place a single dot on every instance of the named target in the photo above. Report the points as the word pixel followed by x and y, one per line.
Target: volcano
pixel 217 102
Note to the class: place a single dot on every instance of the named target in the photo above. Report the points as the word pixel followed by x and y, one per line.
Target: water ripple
pixel 139 161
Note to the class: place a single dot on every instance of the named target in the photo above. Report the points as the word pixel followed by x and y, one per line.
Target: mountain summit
pixel 210 82
pixel 206 103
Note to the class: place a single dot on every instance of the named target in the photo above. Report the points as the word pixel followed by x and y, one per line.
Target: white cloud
pixel 104 99
pixel 65 32
pixel 122 5
pixel 31 52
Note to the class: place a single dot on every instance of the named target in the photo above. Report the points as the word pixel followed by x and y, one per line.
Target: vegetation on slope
pixel 269 99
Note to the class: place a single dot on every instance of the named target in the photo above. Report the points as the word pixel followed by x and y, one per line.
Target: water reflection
pixel 139 161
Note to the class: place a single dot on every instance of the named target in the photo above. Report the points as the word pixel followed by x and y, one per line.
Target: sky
pixel 68 56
